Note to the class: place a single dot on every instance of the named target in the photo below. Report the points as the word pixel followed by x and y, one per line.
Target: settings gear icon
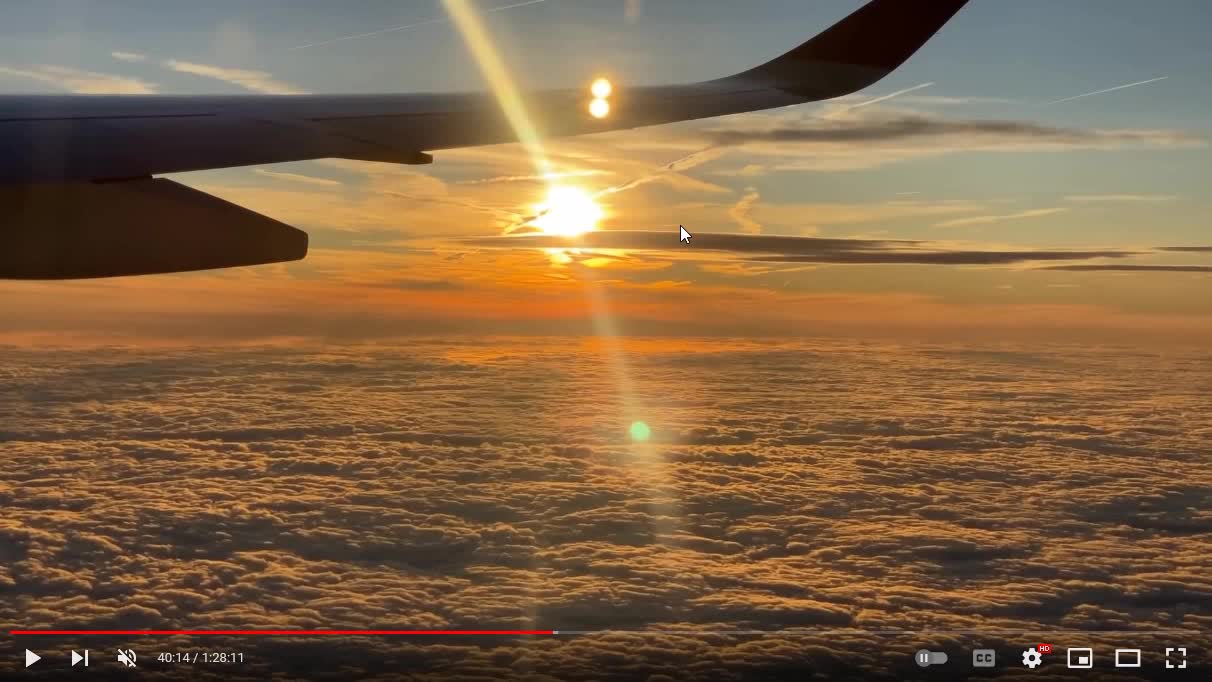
pixel 1032 658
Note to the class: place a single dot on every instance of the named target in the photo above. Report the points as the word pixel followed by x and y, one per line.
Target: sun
pixel 567 212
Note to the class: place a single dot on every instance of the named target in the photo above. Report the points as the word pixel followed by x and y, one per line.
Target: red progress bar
pixel 309 633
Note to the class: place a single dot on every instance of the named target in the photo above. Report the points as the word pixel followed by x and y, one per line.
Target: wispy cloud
pixel 953 101
pixel 81 81
pixel 1106 90
pixel 249 79
pixel 296 177
pixel 877 100
pixel 632 10
pixel 506 179
pixel 741 212
pixel 990 219
pixel 1121 198
pixel 253 80
pixel 128 56
pixel 405 27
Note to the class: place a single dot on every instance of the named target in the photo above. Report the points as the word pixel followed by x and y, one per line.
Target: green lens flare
pixel 640 431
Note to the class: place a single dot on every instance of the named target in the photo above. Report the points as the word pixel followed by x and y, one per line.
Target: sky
pixel 397 250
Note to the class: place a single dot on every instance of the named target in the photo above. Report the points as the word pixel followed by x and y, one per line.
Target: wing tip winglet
pixel 862 48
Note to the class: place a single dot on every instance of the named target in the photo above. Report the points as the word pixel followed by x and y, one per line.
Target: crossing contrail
pixel 1105 90
pixel 889 96
pixel 405 27
pixel 877 100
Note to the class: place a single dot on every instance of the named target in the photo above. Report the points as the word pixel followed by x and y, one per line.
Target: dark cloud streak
pixel 1129 267
pixel 786 249
pixel 942 257
pixel 903 127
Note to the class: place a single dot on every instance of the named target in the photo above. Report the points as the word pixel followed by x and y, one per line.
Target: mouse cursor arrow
pixel 683 235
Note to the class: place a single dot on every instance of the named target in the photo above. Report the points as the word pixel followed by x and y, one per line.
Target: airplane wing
pixel 76 171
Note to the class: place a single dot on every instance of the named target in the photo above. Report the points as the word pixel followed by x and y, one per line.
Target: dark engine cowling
pixel 132 227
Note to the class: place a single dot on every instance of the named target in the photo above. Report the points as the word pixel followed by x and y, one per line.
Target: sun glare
pixel 568 212
pixel 601 88
pixel 599 108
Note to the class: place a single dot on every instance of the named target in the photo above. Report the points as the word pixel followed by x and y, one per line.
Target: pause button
pixel 925 658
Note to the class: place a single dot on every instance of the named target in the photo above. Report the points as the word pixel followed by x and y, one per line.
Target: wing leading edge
pixel 71 139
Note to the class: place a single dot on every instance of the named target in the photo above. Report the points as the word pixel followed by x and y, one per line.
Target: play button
pixel 31 658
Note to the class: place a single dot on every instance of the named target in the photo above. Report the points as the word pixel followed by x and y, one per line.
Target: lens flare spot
pixel 601 88
pixel 599 108
pixel 640 432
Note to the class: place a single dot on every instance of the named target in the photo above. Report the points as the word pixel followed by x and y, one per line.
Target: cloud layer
pixel 828 489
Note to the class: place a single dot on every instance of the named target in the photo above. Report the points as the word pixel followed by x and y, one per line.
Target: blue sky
pixel 1031 49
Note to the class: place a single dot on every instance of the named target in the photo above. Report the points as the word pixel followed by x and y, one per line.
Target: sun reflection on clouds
pixel 561 257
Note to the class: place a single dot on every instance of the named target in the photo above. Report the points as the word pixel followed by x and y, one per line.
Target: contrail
pixel 405 27
pixel 890 95
pixel 677 166
pixel 1099 92
pixel 836 113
